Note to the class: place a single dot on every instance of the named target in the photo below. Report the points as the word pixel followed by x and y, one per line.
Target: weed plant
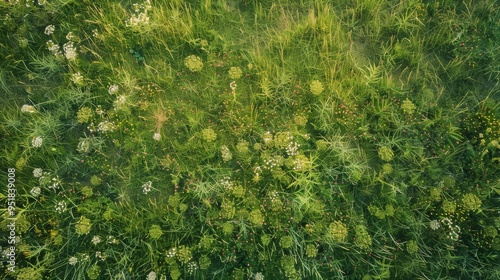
pixel 213 139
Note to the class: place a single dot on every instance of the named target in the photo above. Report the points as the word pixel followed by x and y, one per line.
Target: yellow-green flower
pixel 235 73
pixel 193 63
pixel 316 87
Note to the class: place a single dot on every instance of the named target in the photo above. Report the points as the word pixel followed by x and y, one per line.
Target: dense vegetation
pixel 257 139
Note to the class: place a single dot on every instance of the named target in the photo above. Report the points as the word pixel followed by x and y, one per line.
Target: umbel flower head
pixel 316 87
pixel 193 63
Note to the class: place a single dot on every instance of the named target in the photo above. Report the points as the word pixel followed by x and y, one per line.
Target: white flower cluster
pixel 434 224
pixel 54 48
pixel 151 276
pixel 140 16
pixel 61 207
pixel 113 89
pixel 146 187
pixel 119 103
pixel 192 267
pixel 73 260
pixel 292 149
pixel 271 163
pixel 157 136
pixel 106 126
pixel 28 109
pixel 37 142
pixel 49 29
pixel 96 239
pixel 258 276
pixel 35 191
pixel 172 253
pixel 454 233
pixel 37 172
pixel 69 51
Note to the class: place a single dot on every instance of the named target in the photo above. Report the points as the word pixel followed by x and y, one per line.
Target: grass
pixel 302 116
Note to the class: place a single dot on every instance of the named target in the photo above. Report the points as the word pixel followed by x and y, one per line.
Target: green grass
pixel 315 140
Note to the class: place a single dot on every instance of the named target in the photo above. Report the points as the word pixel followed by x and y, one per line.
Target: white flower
pixel 146 187
pixel 96 239
pixel 105 126
pixel 37 172
pixel 35 191
pixel 151 276
pixel 69 51
pixel 49 29
pixel 77 78
pixel 37 142
pixel 61 206
pixel 258 276
pixel 42 2
pixel 28 109
pixel 157 136
pixel 233 86
pixel 70 36
pixel 113 89
pixel 53 48
pixel 434 224
pixel 72 260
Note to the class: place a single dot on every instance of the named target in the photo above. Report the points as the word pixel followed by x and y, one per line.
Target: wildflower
pixel 77 78
pixel 37 172
pixel 226 153
pixel 73 260
pixel 233 86
pixel 316 87
pixel 434 224
pixel 53 48
pixel 113 89
pixel 35 192
pixel 412 247
pixel 208 135
pixel 37 142
pixel 146 187
pixel 71 36
pixel 83 225
pixel 193 63
pixel 471 202
pixel 385 153
pixel 171 253
pixel 235 73
pixel 28 109
pixel 61 207
pixel 157 136
pixel 105 126
pixel 408 106
pixel 96 239
pixel 69 51
pixel 151 276
pixel 49 29
pixel 192 267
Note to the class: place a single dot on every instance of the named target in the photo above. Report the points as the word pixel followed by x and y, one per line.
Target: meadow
pixel 250 139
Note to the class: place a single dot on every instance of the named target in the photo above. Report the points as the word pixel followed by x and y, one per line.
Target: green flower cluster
pixel 155 232
pixel 385 153
pixel 208 135
pixel 193 63
pixel 363 239
pixel 83 225
pixel 235 73
pixel 316 87
pixel 412 247
pixel 471 202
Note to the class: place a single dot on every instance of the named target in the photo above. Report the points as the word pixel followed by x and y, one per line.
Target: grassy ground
pixel 251 139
